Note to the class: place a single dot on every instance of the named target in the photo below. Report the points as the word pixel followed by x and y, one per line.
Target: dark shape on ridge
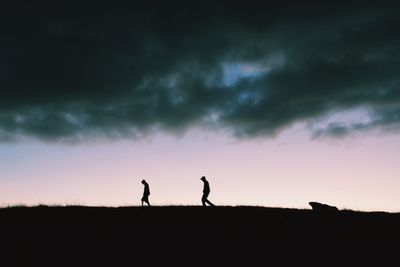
pixel 323 208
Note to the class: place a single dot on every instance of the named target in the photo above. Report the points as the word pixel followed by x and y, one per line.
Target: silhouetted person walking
pixel 146 193
pixel 206 192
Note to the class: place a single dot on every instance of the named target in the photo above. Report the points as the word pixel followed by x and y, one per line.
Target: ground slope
pixel 187 236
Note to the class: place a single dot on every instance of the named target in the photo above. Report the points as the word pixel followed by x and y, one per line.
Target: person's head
pixel 203 178
pixel 144 182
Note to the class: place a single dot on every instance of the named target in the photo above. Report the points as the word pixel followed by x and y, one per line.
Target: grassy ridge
pixel 179 235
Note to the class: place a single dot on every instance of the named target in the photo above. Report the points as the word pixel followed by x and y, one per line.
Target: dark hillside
pixel 187 236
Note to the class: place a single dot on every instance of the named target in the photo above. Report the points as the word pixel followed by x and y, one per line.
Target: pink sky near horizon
pixel 359 173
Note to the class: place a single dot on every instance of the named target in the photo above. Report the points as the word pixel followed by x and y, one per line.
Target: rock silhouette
pixel 323 208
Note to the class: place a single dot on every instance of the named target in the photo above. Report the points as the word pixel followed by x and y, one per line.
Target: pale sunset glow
pixel 288 171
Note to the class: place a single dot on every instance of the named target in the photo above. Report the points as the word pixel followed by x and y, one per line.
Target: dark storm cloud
pixel 74 70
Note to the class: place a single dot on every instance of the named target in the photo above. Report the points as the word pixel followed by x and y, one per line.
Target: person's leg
pixel 210 203
pixel 146 200
pixel 203 200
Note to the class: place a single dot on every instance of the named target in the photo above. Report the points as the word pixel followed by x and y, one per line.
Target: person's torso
pixel 146 190
pixel 206 188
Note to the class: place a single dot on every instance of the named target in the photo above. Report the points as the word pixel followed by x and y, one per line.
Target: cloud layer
pixel 70 70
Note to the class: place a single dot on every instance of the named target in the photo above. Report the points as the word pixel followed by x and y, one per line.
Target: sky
pixel 278 103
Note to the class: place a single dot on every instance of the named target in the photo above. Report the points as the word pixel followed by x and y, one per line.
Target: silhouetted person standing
pixel 206 192
pixel 146 193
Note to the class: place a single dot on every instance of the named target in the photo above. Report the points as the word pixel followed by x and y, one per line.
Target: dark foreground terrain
pixel 193 236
